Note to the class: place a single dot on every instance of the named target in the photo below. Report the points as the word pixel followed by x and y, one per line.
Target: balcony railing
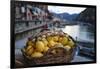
pixel 31 26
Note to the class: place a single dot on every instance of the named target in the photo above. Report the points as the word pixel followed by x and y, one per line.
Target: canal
pixel 79 32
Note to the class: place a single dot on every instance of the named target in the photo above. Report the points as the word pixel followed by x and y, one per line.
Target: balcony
pixel 31 25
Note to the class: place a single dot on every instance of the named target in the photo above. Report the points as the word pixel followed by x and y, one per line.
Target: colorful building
pixel 29 18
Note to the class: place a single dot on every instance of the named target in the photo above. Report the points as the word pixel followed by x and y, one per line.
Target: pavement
pixel 78 58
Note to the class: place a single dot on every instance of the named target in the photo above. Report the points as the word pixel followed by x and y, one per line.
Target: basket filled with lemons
pixel 49 47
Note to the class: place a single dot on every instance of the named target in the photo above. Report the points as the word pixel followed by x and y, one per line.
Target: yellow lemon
pixel 45 49
pixel 64 41
pixel 28 48
pixel 30 43
pixel 60 39
pixel 39 46
pixel 45 42
pixel 59 44
pixel 67 47
pixel 49 38
pixel 39 38
pixel 36 55
pixel 71 43
pixel 51 43
pixel 55 38
pixel 30 51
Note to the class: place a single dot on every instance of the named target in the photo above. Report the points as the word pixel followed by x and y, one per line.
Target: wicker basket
pixel 62 56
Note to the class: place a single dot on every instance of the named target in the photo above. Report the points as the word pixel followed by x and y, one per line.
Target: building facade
pixel 29 19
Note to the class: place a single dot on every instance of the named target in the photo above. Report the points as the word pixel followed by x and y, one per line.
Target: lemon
pixel 49 38
pixel 55 38
pixel 60 39
pixel 30 51
pixel 39 38
pixel 28 48
pixel 45 49
pixel 71 43
pixel 51 43
pixel 36 55
pixel 39 46
pixel 59 44
pixel 43 36
pixel 67 47
pixel 30 43
pixel 64 41
pixel 45 42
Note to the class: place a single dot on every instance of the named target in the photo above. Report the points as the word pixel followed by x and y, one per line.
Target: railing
pixel 32 26
pixel 75 23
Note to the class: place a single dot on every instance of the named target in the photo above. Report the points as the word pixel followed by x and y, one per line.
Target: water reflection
pixel 72 30
pixel 79 32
